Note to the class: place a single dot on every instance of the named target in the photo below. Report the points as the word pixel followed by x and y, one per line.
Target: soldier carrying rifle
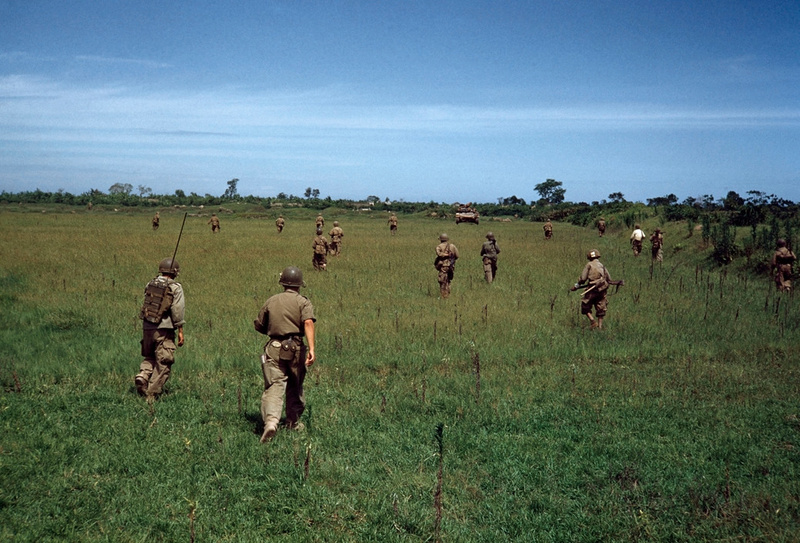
pixel 596 280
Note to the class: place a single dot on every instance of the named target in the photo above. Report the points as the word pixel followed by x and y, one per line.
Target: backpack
pixel 157 300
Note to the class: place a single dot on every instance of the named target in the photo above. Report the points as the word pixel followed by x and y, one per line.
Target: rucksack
pixel 157 300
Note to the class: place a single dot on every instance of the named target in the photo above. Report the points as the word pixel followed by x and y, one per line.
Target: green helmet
pixel 292 276
pixel 594 253
pixel 169 266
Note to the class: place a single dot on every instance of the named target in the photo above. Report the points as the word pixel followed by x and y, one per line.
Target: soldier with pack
pixel 601 226
pixel 156 221
pixel 548 229
pixel 162 314
pixel 320 246
pixel 597 279
pixel 656 245
pixel 781 265
pixel 336 234
pixel 489 252
pixel 393 224
pixel 320 222
pixel 279 222
pixel 445 263
pixel 286 318
pixel 637 237
pixel 214 222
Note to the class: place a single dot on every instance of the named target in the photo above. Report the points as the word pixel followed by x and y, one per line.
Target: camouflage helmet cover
pixel 292 276
pixel 169 266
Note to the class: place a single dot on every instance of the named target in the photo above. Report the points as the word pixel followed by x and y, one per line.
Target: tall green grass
pixel 493 415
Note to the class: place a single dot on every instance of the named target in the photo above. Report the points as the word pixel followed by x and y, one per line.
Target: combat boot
pixel 270 429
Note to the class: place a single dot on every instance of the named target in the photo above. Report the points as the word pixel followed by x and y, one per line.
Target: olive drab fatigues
pixel 392 224
pixel 489 252
pixel 595 294
pixel 279 222
pixel 156 221
pixel 548 230
pixel 320 246
pixel 158 342
pixel 601 227
pixel 782 261
pixel 214 222
pixel 282 318
pixel 446 256
pixel 335 246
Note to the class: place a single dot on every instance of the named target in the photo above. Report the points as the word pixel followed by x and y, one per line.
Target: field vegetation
pixel 493 415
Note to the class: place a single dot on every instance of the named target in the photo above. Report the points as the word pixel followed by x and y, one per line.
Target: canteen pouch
pixel 288 349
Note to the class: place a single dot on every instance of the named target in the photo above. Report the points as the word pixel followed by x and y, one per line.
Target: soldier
pixel 214 222
pixel 595 295
pixel 489 252
pixel 336 235
pixel 393 224
pixel 636 239
pixel 781 265
pixel 286 318
pixel 320 221
pixel 548 229
pixel 156 221
pixel 279 222
pixel 656 243
pixel 162 313
pixel 320 246
pixel 445 263
pixel 601 226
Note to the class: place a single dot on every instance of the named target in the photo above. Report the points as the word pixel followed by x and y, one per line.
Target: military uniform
pixel 601 226
pixel 320 246
pixel 782 261
pixel 548 230
pixel 656 244
pixel 446 256
pixel 595 294
pixel 158 338
pixel 156 221
pixel 279 222
pixel 636 240
pixel 286 318
pixel 336 234
pixel 393 224
pixel 214 222
pixel 489 252
pixel 320 221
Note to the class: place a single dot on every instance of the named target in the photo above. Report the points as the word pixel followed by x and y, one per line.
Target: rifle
pixel 175 252
pixel 576 286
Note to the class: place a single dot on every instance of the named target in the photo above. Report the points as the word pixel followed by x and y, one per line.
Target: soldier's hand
pixel 180 337
pixel 310 358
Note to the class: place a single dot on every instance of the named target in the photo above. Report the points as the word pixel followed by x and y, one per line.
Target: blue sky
pixel 413 100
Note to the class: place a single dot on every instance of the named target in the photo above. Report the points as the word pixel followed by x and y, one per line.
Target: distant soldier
pixel 286 318
pixel 162 313
pixel 393 224
pixel 489 252
pixel 656 244
pixel 279 222
pixel 601 226
pixel 156 221
pixel 595 295
pixel 336 234
pixel 636 240
pixel 89 206
pixel 445 263
pixel 782 261
pixel 320 246
pixel 548 229
pixel 320 221
pixel 214 222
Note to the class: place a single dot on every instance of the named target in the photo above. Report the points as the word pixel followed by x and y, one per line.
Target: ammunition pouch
pixel 289 348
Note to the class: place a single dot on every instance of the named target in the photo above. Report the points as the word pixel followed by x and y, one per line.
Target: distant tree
pixel 144 191
pixel 307 193
pixel 616 197
pixel 510 201
pixel 732 201
pixel 281 196
pixel 120 188
pixel 550 192
pixel 668 200
pixel 180 194
pixel 230 192
pixel 371 199
pixel 315 193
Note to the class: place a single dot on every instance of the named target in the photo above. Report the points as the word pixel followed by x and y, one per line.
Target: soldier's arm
pixel 308 326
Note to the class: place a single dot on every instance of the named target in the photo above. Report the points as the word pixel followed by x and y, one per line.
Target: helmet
pixel 292 276
pixel 169 266
pixel 594 253
pixel 335 223
pixel 443 237
pixel 781 242
pixel 490 236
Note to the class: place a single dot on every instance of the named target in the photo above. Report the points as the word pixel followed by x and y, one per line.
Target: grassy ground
pixel 494 415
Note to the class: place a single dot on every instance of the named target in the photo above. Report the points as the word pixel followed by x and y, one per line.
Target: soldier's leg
pixel 165 357
pixel 487 270
pixel 275 379
pixel 295 397
pixel 142 379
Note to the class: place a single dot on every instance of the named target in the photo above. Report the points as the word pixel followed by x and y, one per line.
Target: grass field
pixel 494 415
